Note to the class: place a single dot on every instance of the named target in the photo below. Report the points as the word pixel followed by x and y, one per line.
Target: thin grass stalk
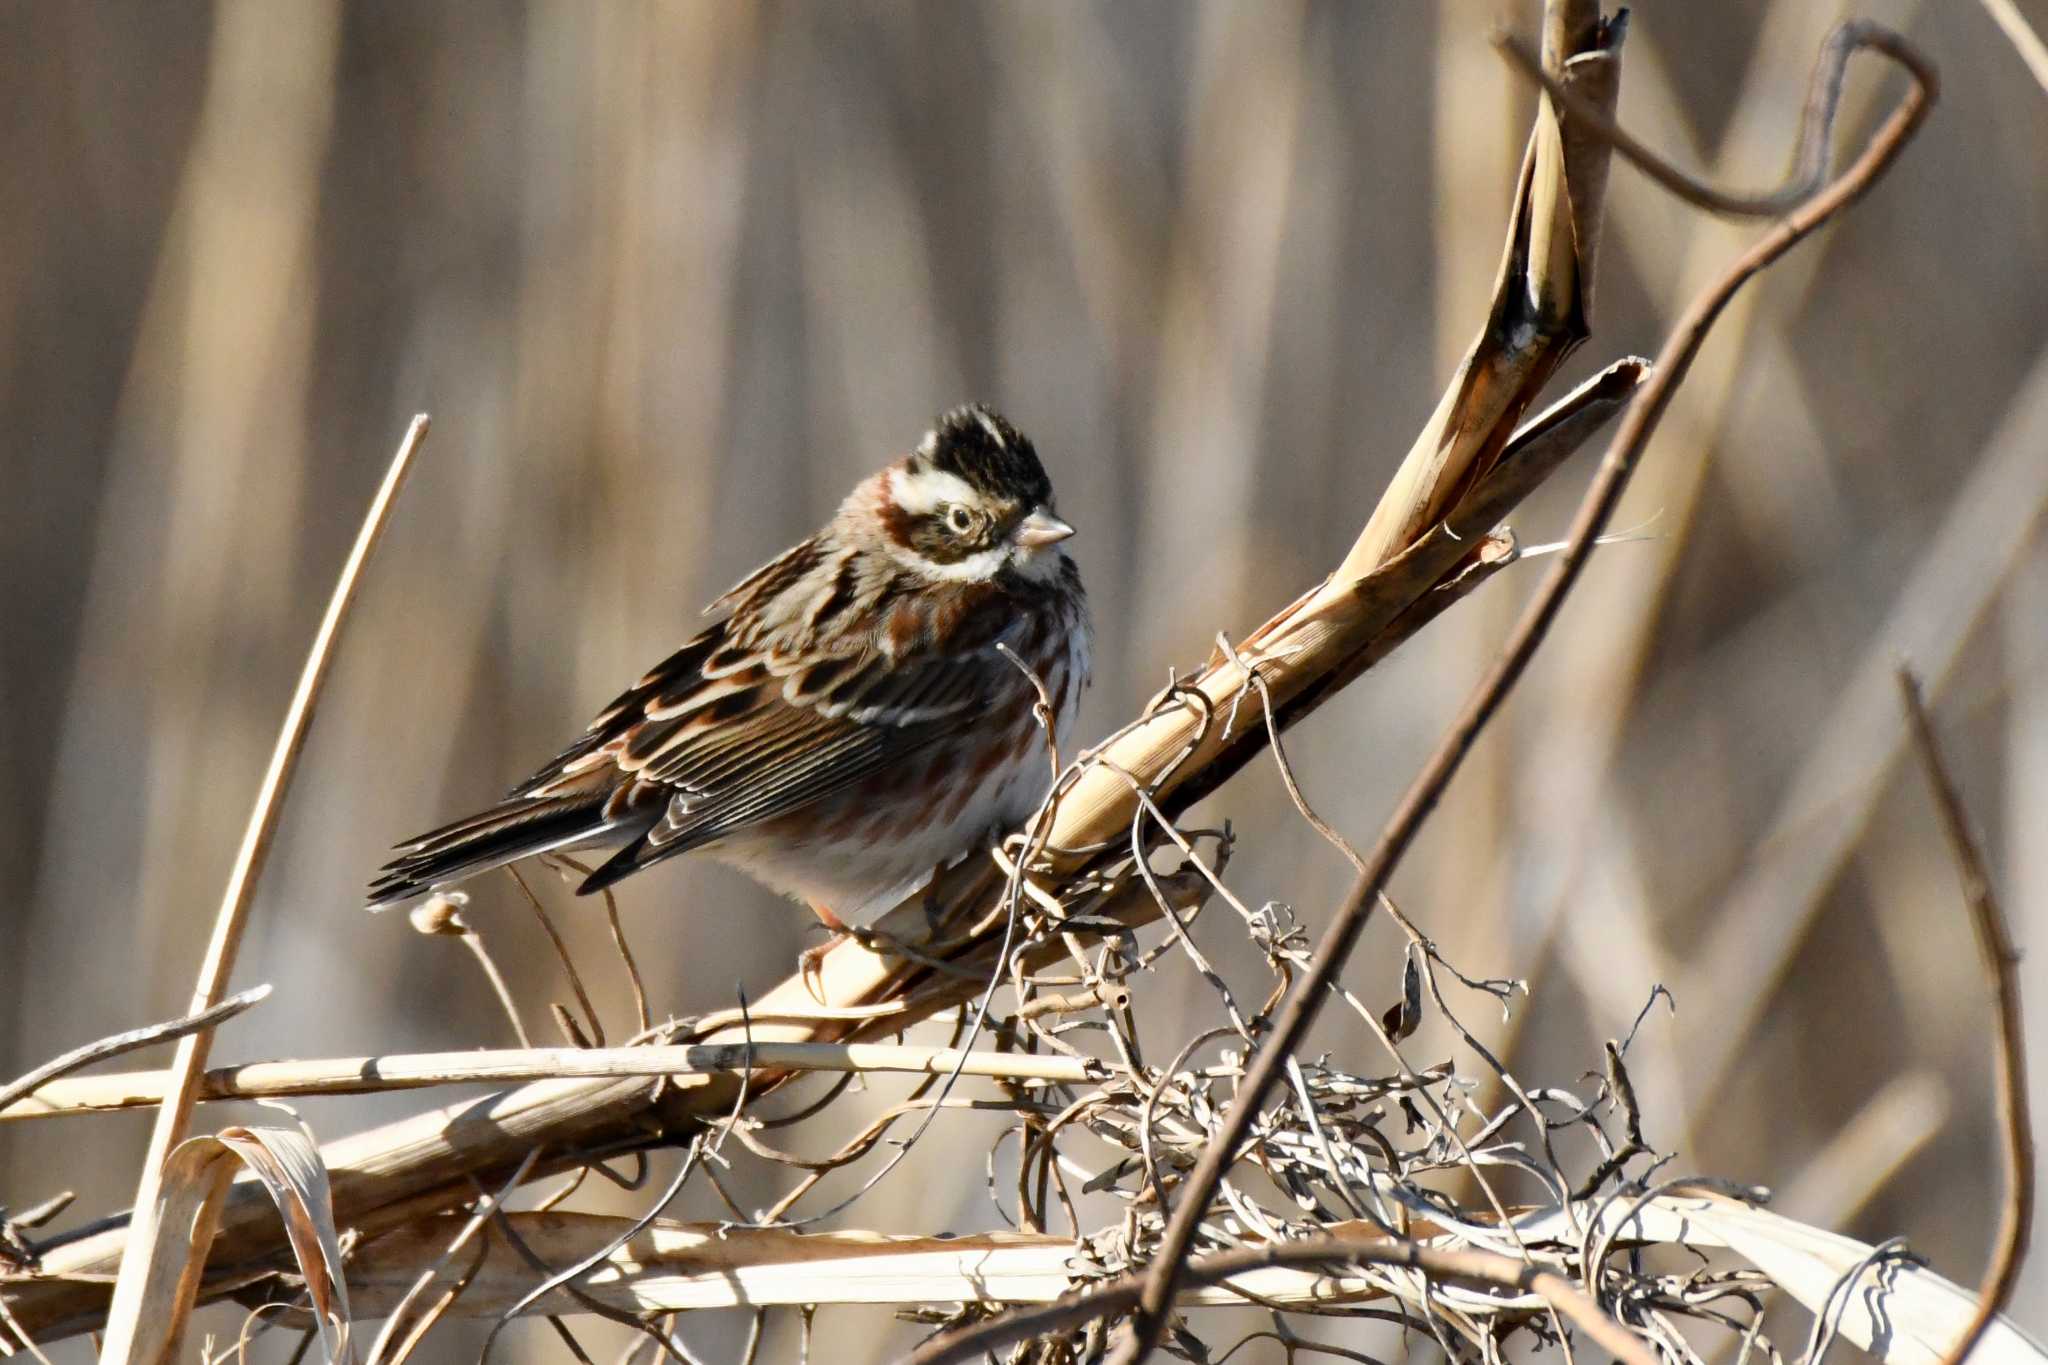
pixel 139 1265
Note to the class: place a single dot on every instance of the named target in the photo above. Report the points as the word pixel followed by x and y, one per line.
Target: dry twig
pixel 2001 968
pixel 26 1086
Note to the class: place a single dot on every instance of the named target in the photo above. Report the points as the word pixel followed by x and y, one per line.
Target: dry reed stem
pixel 2023 38
pixel 685 1267
pixel 139 1265
pixel 686 1064
pixel 1483 1269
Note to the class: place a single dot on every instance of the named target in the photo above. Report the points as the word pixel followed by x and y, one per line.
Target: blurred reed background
pixel 670 278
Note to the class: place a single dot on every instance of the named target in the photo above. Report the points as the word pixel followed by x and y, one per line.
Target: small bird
pixel 858 718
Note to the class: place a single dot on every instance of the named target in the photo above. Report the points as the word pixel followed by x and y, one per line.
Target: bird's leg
pixel 934 914
pixel 810 962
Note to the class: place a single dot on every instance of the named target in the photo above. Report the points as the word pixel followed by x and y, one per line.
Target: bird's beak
pixel 1040 528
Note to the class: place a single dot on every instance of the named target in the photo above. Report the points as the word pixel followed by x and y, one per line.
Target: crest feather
pixel 976 445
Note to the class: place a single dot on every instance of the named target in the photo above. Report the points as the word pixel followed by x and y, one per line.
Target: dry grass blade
pixel 679 1267
pixel 2001 967
pixel 287 1166
pixel 141 1269
pixel 1899 1311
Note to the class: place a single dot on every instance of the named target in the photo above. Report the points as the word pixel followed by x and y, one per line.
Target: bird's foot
pixel 811 961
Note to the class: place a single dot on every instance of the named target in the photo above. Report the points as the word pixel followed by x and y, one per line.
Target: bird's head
pixel 972 502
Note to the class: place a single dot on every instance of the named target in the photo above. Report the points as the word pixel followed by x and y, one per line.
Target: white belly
pixel 874 868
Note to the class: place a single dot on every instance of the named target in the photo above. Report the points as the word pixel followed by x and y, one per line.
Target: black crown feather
pixel 977 445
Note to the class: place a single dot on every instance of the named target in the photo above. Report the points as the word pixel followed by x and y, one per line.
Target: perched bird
pixel 853 723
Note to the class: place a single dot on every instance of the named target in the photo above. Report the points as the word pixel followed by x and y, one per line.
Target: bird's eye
pixel 959 520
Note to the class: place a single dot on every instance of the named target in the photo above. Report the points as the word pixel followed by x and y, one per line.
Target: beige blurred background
pixel 671 277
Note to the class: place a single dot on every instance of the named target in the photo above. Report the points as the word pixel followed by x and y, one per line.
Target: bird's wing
pixel 725 734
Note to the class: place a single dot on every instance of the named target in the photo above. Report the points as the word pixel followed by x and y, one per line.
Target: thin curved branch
pixel 1808 174
pixel 2001 967
pixel 26 1085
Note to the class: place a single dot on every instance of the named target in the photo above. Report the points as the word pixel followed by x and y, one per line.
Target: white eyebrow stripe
pixel 921 491
pixel 994 432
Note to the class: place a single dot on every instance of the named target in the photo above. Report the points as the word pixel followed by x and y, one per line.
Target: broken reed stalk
pixel 142 1261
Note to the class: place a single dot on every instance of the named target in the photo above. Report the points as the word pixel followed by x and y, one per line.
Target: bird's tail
pixel 517 829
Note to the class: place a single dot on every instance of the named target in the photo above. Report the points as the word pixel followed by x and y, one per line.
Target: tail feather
pixel 503 834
